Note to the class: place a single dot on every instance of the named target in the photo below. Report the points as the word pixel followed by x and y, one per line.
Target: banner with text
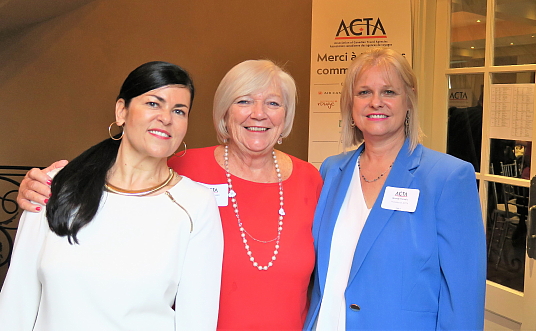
pixel 341 30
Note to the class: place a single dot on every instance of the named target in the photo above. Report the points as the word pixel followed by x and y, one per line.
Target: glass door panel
pixel 526 77
pixel 515 32
pixel 464 133
pixel 506 230
pixel 510 131
pixel 507 212
pixel 491 56
pixel 504 152
pixel 512 107
pixel 467 33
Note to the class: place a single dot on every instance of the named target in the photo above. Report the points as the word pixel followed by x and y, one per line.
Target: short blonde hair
pixel 387 59
pixel 249 77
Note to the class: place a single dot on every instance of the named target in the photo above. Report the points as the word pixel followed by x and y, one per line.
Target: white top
pixel 350 222
pixel 135 259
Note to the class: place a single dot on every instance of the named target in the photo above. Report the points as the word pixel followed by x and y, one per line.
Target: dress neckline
pixel 215 161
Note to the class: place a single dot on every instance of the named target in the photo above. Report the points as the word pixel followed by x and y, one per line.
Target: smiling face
pixel 256 121
pixel 155 122
pixel 380 104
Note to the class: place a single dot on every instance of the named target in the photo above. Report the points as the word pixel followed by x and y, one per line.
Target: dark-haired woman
pixel 123 238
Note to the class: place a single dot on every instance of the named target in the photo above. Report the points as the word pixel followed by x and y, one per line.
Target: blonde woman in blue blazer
pixel 398 229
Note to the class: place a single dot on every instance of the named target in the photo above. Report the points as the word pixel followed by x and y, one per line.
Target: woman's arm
pixel 198 295
pixel 35 187
pixel 21 292
pixel 462 253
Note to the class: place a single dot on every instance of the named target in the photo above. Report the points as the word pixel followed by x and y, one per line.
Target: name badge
pixel 221 192
pixel 403 199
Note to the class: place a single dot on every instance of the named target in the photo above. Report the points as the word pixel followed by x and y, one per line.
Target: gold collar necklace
pixel 139 193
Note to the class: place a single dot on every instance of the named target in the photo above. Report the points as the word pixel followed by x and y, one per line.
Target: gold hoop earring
pixel 183 152
pixel 352 123
pixel 110 131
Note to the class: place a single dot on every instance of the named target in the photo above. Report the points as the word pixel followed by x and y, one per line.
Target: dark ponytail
pixel 77 188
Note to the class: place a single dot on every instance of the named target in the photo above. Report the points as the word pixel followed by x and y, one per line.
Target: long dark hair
pixel 77 188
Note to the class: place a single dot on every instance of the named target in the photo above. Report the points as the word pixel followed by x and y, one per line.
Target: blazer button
pixel 355 307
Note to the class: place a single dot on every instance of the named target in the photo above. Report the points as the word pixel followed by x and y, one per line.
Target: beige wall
pixel 59 78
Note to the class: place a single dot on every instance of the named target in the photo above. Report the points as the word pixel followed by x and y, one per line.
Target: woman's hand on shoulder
pixel 36 187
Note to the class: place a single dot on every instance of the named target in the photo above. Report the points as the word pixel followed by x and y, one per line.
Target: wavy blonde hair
pixel 390 61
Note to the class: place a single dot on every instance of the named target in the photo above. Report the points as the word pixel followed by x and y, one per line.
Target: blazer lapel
pixel 338 187
pixel 401 175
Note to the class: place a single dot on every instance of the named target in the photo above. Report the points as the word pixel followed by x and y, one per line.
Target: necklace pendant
pixel 243 232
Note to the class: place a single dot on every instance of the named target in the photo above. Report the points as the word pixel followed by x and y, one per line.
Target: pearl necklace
pixel 363 176
pixel 139 193
pixel 243 232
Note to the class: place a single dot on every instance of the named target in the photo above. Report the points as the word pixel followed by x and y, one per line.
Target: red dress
pixel 275 299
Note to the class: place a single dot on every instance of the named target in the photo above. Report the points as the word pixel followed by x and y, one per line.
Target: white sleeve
pixel 198 295
pixel 21 292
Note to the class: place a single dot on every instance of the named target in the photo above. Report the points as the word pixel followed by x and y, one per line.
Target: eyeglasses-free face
pixel 256 121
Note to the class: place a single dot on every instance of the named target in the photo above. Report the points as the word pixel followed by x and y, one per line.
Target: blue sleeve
pixel 323 170
pixel 462 253
pixel 327 165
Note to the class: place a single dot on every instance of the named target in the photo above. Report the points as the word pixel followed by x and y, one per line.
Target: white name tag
pixel 221 192
pixel 403 199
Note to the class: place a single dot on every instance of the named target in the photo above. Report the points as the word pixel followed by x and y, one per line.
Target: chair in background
pixel 515 200
pixel 497 214
pixel 510 170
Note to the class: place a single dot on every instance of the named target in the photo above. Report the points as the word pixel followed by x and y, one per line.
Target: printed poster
pixel 512 111
pixel 341 30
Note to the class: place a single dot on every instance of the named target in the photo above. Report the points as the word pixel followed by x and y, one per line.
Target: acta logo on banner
pixel 460 95
pixel 361 28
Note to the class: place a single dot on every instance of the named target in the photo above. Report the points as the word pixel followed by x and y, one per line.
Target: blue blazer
pixel 424 270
